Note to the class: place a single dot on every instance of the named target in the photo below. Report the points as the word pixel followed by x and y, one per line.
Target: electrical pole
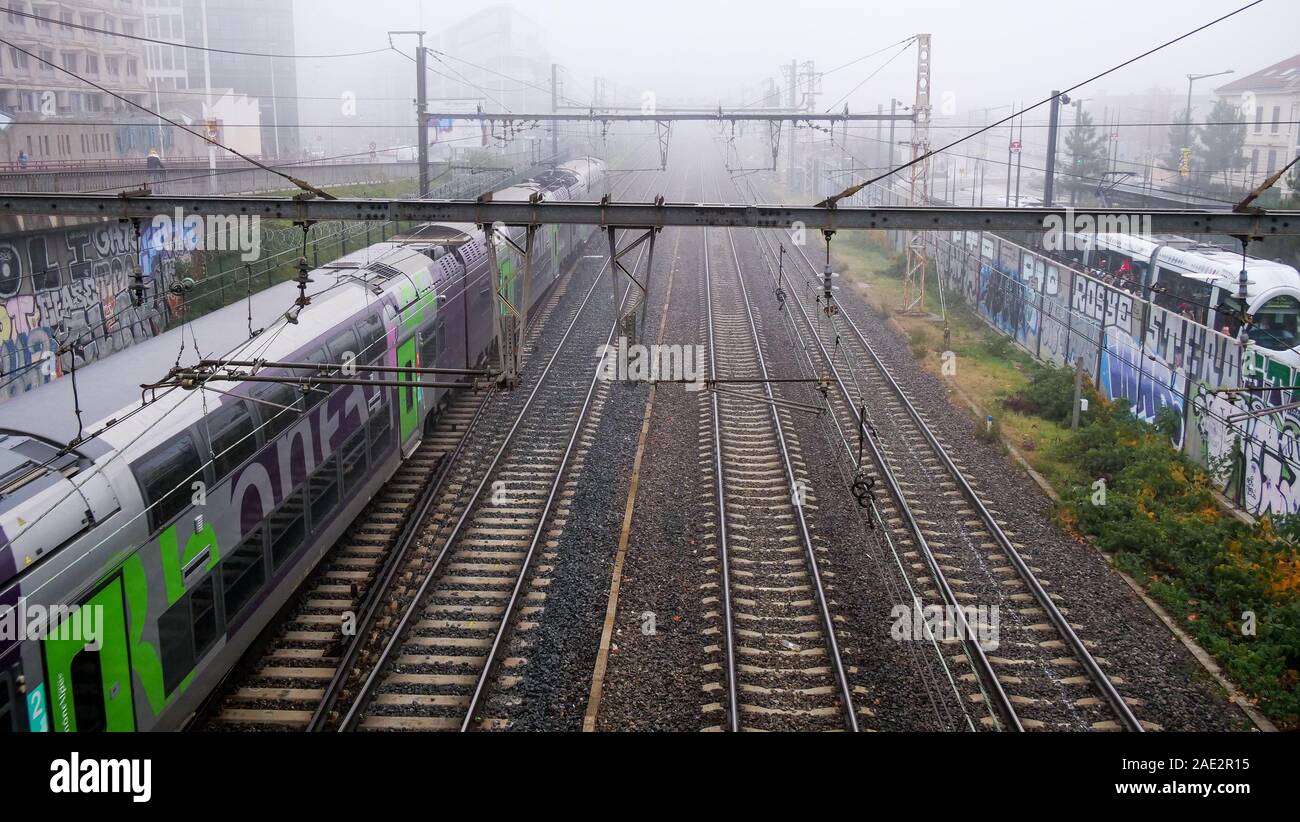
pixel 880 135
pixel 1054 121
pixel 555 108
pixel 421 112
pixel 893 109
pixel 421 109
pixel 793 102
pixel 207 94
pixel 1011 138
pixel 1020 155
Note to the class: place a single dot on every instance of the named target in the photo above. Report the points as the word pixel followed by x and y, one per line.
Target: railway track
pixel 482 592
pixel 297 673
pixel 302 673
pixel 781 665
pixel 1038 674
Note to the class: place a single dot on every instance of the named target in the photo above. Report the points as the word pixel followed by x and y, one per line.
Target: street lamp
pixel 1192 78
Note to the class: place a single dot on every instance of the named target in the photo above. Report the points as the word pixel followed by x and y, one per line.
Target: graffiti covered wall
pixel 71 287
pixel 1162 363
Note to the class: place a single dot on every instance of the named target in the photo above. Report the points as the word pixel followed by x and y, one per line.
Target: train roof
pixel 109 385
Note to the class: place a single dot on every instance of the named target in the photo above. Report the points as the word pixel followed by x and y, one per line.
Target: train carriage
pixel 160 547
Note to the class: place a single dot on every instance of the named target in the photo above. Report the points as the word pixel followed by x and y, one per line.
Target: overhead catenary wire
pixel 831 201
pixel 305 186
pixel 67 24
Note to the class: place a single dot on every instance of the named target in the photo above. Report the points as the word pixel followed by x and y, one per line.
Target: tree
pixel 1223 147
pixel 1178 139
pixel 1088 160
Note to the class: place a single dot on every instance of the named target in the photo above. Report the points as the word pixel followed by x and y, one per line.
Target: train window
pixel 165 477
pixel 429 347
pixel 317 394
pixel 343 345
pixel 8 717
pixel 288 528
pixel 233 439
pixel 354 462
pixel 1275 326
pixel 381 424
pixel 243 573
pixel 185 633
pixel 88 692
pixel 373 339
pixel 1183 295
pixel 283 411
pixel 324 490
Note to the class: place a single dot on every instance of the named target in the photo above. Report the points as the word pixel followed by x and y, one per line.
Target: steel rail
pixel 720 492
pixel 393 561
pixel 1062 625
pixel 361 700
pixel 975 653
pixel 485 675
pixel 810 553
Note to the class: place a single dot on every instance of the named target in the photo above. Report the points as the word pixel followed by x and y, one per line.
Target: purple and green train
pixel 137 566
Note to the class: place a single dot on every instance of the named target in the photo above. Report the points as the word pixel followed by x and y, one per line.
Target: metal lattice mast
pixel 919 191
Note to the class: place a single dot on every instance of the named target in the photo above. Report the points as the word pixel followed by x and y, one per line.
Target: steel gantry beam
pixel 631 325
pixel 510 320
pixel 719 115
pixel 1261 223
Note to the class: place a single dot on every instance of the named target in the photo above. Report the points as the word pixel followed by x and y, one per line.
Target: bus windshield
pixel 1275 325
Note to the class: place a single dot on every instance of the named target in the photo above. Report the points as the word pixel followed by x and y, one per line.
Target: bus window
pixel 88 692
pixel 1275 326
pixel 1184 296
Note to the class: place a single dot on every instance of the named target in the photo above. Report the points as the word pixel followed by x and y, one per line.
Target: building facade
pixel 260 27
pixel 52 116
pixel 1269 100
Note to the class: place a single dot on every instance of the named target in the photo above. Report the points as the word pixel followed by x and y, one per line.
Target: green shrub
pixel 1162 523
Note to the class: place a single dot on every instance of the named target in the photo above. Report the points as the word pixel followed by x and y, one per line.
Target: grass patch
pixel 987 366
pixel 1221 579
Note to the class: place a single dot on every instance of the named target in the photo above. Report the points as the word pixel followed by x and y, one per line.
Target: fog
pixel 986 52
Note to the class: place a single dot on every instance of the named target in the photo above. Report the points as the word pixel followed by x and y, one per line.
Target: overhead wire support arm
pixel 714 116
pixel 1257 223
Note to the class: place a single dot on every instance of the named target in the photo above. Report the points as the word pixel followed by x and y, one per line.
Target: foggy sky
pixel 986 52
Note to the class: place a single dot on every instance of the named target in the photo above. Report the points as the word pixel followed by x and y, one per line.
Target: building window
pixel 1254 162
pixel 92 64
pixel 1259 119
pixel 1277 120
pixel 1272 161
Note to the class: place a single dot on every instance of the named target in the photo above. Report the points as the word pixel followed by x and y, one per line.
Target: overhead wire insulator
pixel 828 292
